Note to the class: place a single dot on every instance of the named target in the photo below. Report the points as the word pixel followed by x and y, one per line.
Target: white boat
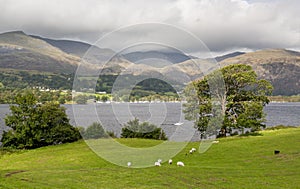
pixel 178 123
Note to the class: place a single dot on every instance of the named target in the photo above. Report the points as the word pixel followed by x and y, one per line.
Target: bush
pixel 94 131
pixel 104 98
pixel 135 129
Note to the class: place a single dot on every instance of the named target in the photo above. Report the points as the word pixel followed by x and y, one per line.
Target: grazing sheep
pixel 194 149
pixel 191 151
pixel 129 164
pixel 157 164
pixel 159 160
pixel 215 142
pixel 170 161
pixel 179 163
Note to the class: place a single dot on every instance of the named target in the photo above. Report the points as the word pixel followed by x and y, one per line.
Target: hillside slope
pixel 279 66
pixel 79 48
pixel 22 52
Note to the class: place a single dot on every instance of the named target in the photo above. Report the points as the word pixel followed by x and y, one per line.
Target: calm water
pixel 283 114
pixel 113 116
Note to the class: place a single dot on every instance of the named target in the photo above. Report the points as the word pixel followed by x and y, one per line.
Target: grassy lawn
pixel 235 162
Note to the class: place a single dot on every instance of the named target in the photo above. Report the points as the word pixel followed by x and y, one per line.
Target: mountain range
pixel 27 53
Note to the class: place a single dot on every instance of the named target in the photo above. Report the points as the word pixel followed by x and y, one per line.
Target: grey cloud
pixel 221 24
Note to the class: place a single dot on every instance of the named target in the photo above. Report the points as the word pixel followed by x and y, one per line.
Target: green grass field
pixel 235 162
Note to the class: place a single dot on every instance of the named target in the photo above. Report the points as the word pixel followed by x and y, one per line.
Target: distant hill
pixel 230 55
pixel 22 52
pixel 281 67
pixel 168 57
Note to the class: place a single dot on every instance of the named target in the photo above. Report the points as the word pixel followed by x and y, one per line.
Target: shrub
pixel 94 131
pixel 135 129
pixel 111 134
pixel 104 98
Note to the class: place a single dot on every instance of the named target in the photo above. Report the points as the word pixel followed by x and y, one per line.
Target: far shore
pixel 279 99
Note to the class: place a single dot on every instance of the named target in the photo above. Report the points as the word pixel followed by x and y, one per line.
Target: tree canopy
pixel 33 125
pixel 241 99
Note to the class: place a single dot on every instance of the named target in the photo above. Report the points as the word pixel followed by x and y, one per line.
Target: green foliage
pixel 241 99
pixel 104 98
pixel 155 85
pixel 135 129
pixel 94 131
pixel 34 125
pixel 24 79
pixel 252 116
pixel 154 89
pixel 9 96
pixel 111 134
pixel 105 83
pixel 62 100
pixel 14 79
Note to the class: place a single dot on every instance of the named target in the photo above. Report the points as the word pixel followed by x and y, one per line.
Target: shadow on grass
pixel 251 134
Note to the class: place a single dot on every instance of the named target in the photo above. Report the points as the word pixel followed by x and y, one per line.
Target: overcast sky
pixel 223 25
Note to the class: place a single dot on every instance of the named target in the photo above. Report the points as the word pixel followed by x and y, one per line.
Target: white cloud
pixel 221 24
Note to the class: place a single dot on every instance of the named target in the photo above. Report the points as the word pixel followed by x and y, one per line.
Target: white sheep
pixel 129 164
pixel 159 160
pixel 194 149
pixel 215 142
pixel 157 164
pixel 170 161
pixel 191 151
pixel 180 163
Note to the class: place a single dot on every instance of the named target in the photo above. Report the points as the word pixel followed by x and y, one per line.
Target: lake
pixel 114 115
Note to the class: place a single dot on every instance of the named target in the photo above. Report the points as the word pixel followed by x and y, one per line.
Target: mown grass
pixel 235 162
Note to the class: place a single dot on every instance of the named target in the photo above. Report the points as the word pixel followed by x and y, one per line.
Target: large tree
pixel 34 125
pixel 239 94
